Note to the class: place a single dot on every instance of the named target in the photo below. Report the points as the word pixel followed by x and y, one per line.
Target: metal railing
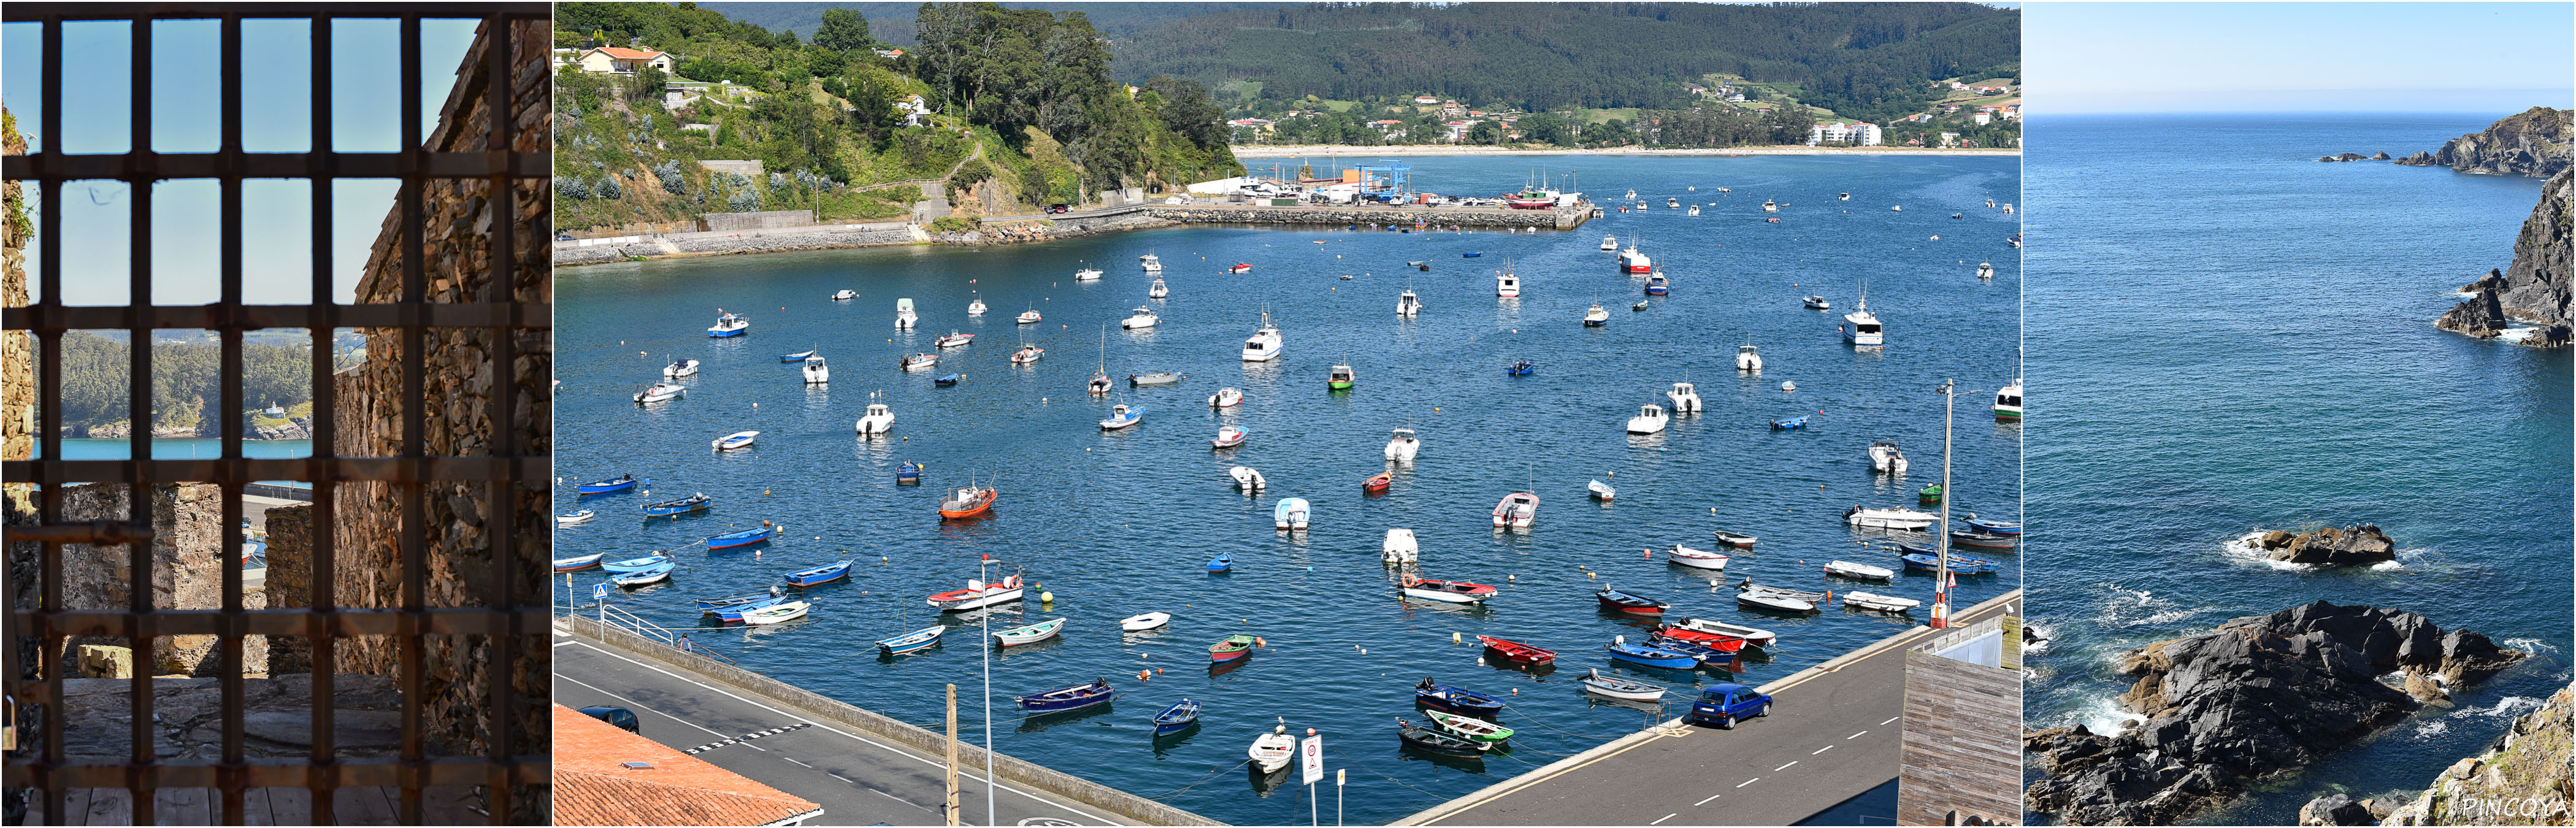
pixel 504 469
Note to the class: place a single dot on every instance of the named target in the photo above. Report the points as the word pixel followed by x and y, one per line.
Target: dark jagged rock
pixel 2336 809
pixel 2381 155
pixel 2524 778
pixel 2260 696
pixel 2357 546
pixel 2535 288
pixel 2534 143
pixel 2349 156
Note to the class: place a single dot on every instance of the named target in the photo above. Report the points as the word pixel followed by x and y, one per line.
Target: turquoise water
pixel 2232 337
pixel 178 449
pixel 1121 523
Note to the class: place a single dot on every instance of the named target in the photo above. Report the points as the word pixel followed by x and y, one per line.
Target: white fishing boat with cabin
pixel 1685 397
pixel 904 318
pixel 1265 342
pixel 1860 327
pixel 1400 547
pixel 1401 447
pixel 1650 419
pixel 878 420
pixel 1247 478
pixel 1143 318
pixel 816 371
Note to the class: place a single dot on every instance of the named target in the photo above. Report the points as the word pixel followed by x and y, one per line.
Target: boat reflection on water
pixel 1166 743
pixel 1510 666
pixel 1264 783
pixel 1465 764
pixel 1036 722
pixel 1219 668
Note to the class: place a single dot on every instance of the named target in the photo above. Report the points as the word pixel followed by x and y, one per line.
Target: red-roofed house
pixel 616 60
pixel 607 776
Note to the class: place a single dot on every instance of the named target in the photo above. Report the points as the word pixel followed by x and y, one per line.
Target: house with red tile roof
pixel 607 776
pixel 618 60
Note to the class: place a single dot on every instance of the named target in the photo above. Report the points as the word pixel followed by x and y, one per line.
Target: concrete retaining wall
pixel 763 220
pixel 1440 216
pixel 822 708
pixel 833 237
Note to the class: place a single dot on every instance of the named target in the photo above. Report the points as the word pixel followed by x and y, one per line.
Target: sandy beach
pixel 1306 151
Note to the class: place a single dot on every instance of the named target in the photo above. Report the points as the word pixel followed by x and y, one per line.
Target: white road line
pixel 840 777
pixel 1705 801
pixel 1822 749
pixel 1748 781
pixel 1884 724
pixel 889 748
pixel 1784 767
pixel 793 759
pixel 566 643
pixel 1660 821
pixel 634 703
pixel 1853 736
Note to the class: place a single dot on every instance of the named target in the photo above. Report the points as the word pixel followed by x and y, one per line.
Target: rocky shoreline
pixel 2360 545
pixel 2259 697
pixel 2534 289
pixel 2534 143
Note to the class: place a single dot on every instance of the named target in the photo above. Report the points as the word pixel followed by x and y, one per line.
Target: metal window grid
pixel 504 470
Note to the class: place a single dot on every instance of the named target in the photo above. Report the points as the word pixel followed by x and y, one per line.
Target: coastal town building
pixel 615 60
pixel 1425 100
pixel 1862 133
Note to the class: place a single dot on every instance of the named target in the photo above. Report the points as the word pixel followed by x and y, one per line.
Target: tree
pixel 1545 127
pixel 1187 110
pixel 1485 132
pixel 844 30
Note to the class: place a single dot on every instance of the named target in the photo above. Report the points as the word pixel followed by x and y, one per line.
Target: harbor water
pixel 2238 338
pixel 1120 523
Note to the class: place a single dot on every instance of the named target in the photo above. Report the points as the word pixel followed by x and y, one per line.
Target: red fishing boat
pixel 1516 652
pixel 1716 641
pixel 1377 483
pixel 1630 603
pixel 1239 267
pixel 1232 648
pixel 966 502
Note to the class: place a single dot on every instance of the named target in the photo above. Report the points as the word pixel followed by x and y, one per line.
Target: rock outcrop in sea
pixel 2522 779
pixel 2535 288
pixel 2260 696
pixel 2534 143
pixel 2360 545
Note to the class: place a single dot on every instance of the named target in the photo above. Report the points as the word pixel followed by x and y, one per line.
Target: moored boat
pixel 1629 602
pixel 1596 317
pixel 980 594
pixel 1292 513
pixel 1989 540
pixel 1028 634
pixel 1650 419
pixel 1071 698
pixel 1233 648
pixel 729 325
pixel 619 483
pixel 1147 621
pixel 693 503
pixel 1516 652
pixel 1889 518
pixel 1601 491
pixel 1181 716
pixel 908 474
pixel 1752 636
pixel 1697 558
pixel 573 517
pixel 1229 437
pixel 1341 378
pixel 1247 478
pixel 647 575
pixel 660 391
pixel 815 371
pixel 845 294
pixel 1144 317
pixel 680 368
pixel 1447 592
pixel 1620 688
pixel 1403 446
pixel 918 362
pixel 713 604
pixel 1789 423
pixel 1735 539
pixel 778 613
pixel 1027 354
pixel 578 562
pixel 761 534
pixel 912 642
pixel 812 576
pixel 1859 571
pixel 1225 398
pixel 1456 700
pixel 1121 416
pixel 1156 378
pixel 1265 342
pixel 879 419
pixel 1815 302
pixel 953 340
pixel 1400 547
pixel 1271 751
pixel 968 501
pixel 1435 741
pixel 795 357
pixel 1377 483
pixel 1651 656
pixel 1223 562
pixel 1879 603
pixel 1999 527
pixel 1517 510
pixel 1469 727
pixel 736 440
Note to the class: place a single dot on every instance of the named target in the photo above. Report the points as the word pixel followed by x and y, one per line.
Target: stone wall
pixel 187 573
pixel 17 352
pixel 290 582
pixel 459 380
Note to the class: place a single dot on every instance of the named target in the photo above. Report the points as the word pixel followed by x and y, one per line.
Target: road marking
pixel 634 703
pixel 1748 781
pixel 1660 821
pixel 889 748
pixel 739 740
pixel 566 643
pixel 1883 724
pixel 1822 749
pixel 1705 801
pixel 1773 770
pixel 793 759
pixel 840 777
pixel 1853 736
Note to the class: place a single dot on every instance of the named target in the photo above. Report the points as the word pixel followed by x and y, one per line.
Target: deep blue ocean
pixel 1121 523
pixel 2232 337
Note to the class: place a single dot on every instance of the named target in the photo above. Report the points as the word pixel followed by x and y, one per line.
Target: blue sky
pixel 186 99
pixel 2496 58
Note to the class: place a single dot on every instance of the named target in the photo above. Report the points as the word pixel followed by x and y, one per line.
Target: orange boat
pixel 970 501
pixel 1378 482
pixel 1716 641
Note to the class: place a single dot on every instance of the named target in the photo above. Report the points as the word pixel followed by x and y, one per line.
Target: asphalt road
pixel 1829 737
pixel 859 780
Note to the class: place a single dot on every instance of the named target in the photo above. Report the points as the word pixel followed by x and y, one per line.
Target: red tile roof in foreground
pixel 594 787
pixel 622 53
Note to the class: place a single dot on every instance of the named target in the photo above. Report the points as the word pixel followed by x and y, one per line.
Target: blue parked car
pixel 1723 704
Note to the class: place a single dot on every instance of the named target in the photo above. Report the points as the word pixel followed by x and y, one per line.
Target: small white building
pixel 1862 133
pixel 615 60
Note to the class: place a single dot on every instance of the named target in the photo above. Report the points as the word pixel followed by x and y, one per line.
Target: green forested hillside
pixel 98 384
pixel 1871 61
pixel 893 22
pixel 1022 98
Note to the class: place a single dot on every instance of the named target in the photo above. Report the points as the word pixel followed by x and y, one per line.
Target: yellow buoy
pixel 1047 597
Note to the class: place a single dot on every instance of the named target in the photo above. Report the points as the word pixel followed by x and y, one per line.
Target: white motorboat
pixel 1087 273
pixel 1673 202
pixel 1747 357
pixel 1787 386
pixel 2008 403
pixel 1879 603
pixel 1694 209
pixel 736 440
pixel 1631 196
pixel 1408 305
pixel 918 362
pixel 1769 206
pixel 954 340
pixel 1620 688
pixel 680 368
pixel 1650 419
pixel 1506 285
pixel 1264 344
pixel 1985 270
pixel 979 594
pixel 1159 290
pixel 1889 518
pixel 1400 547
pixel 1121 416
pixel 1633 260
pixel 1765 599
pixel 1027 354
pixel 816 371
pixel 1445 592
pixel 1225 398
pixel 1609 243
pixel 1147 621
pixel 1697 558
pixel 1517 510
pixel 571 518
pixel 1685 397
pixel 660 391
pixel 1401 447
pixel 1030 317
pixel 1143 318
pixel 1753 636
pixel 1843 197
pixel 1817 303
pixel 1860 327
pixel 777 613
pixel 1247 478
pixel 878 420
pixel 904 318
pixel 1897 208
pixel 1596 317
pixel 1229 437
pixel 2008 209
pixel 845 295
pixel 976 307
pixel 1272 750
pixel 1885 457
pixel 1601 491
pixel 1152 263
pixel 729 325
pixel 1861 571
pixel 1292 513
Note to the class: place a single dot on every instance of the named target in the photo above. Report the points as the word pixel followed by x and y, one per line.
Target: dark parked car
pixel 618 716
pixel 1724 704
pixel 1059 208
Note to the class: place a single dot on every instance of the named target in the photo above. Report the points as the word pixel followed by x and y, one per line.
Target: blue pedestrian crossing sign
pixel 599 592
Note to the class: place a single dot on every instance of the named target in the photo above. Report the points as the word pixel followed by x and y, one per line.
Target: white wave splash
pixel 2533 646
pixel 2248 549
pixel 2509 707
pixel 2139 608
pixel 2428 730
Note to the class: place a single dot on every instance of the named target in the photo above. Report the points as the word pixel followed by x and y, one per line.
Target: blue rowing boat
pixel 746 537
pixel 578 562
pixel 1959 565
pixel 798 357
pixel 819 575
pixel 908 475
pixel 1176 718
pixel 733 614
pixel 1651 657
pixel 713 604
pixel 1222 563
pixel 1520 369
pixel 1071 698
pixel 1706 655
pixel 1993 527
pixel 1470 255
pixel 619 483
pixel 1790 423
pixel 1457 700
pixel 912 642
pixel 693 503
pixel 945 380
pixel 636 564
pixel 647 575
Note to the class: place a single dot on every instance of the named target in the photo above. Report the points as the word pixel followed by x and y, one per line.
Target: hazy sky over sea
pixel 2289 57
pixel 186 100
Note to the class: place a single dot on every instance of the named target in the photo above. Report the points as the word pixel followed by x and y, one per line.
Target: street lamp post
pixel 986 644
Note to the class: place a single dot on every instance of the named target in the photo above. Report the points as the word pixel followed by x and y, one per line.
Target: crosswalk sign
pixel 599 592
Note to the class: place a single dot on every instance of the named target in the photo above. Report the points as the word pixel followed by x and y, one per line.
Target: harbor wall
pixel 825 709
